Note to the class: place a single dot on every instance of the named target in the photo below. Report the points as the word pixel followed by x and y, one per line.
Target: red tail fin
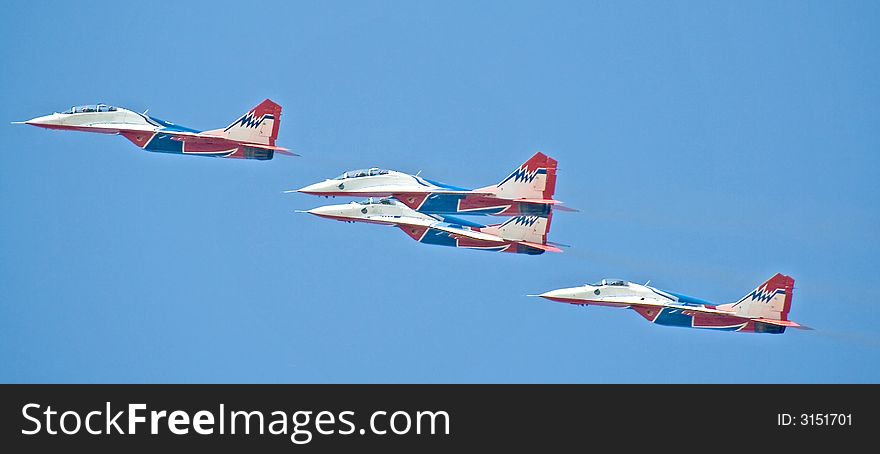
pixel 771 300
pixel 258 126
pixel 534 179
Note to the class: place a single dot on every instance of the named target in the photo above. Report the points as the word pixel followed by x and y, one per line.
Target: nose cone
pixel 566 295
pixel 45 121
pixel 324 187
pixel 341 212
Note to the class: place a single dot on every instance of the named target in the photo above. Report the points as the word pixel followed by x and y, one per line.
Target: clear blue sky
pixel 708 145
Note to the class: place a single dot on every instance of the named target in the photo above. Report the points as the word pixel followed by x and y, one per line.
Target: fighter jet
pixel 251 136
pixel 520 234
pixel 528 190
pixel 764 310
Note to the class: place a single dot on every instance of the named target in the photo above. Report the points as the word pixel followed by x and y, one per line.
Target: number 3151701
pixel 814 419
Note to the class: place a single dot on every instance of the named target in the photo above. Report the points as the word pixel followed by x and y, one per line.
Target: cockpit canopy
pixel 611 282
pixel 372 201
pixel 90 108
pixel 362 173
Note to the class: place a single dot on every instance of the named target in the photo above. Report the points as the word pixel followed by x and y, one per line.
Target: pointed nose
pixel 332 212
pixel 46 120
pixel 324 211
pixel 317 188
pixel 564 295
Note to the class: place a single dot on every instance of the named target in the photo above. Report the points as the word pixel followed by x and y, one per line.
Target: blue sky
pixel 708 146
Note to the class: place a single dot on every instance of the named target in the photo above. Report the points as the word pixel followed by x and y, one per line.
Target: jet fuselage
pixel 764 310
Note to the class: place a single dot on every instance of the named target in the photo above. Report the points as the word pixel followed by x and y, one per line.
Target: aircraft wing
pixel 203 138
pixel 437 225
pixel 707 310
pixel 466 233
pixel 454 230
pixel 403 195
pixel 682 307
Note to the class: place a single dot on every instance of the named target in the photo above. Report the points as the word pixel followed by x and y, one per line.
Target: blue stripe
pixel 458 221
pixel 660 294
pixel 169 126
pixel 689 300
pixel 444 185
pixel 164 143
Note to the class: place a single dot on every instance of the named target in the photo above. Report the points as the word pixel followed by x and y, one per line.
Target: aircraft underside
pixel 437 237
pixel 170 143
pixel 682 318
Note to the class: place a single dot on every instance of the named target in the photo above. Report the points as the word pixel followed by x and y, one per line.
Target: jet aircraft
pixel 251 136
pixel 528 190
pixel 520 234
pixel 764 310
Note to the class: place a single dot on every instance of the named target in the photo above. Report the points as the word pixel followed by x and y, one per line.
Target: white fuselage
pixel 381 185
pixel 386 211
pixel 113 120
pixel 763 310
pixel 393 212
pixel 611 295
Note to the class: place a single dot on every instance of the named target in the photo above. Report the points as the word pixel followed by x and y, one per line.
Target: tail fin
pixel 257 126
pixel 535 179
pixel 771 300
pixel 529 229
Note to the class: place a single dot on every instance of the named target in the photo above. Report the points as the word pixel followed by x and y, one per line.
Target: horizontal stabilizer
pixel 555 203
pixel 266 147
pixel 280 150
pixel 543 247
pixel 539 201
pixel 786 323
